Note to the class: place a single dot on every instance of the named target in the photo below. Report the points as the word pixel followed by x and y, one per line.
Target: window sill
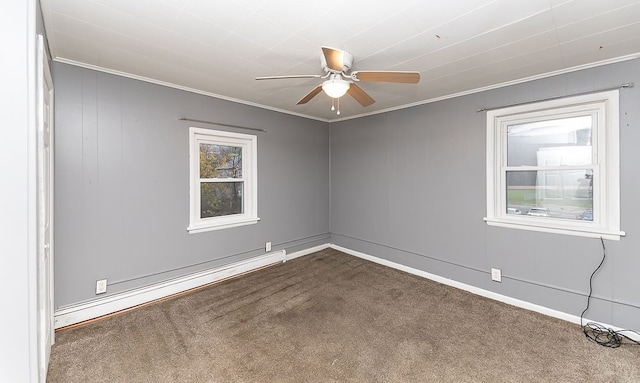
pixel 590 232
pixel 227 224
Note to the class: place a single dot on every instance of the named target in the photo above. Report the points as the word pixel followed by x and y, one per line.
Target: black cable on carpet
pixel 598 333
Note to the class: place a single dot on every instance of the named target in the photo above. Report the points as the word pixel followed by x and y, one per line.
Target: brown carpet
pixel 331 317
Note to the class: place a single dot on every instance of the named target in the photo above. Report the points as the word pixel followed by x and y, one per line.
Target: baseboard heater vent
pixel 82 312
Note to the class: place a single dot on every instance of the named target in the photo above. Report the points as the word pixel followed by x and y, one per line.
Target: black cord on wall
pixel 598 333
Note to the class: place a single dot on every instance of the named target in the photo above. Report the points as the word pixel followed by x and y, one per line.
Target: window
pixel 553 166
pixel 223 175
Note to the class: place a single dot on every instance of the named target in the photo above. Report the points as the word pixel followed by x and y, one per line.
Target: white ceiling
pixel 458 46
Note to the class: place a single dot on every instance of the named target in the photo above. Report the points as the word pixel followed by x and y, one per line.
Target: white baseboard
pixel 478 291
pixel 85 311
pixel 113 303
pixel 307 251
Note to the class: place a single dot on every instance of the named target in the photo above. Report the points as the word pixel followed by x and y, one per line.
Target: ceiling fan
pixel 339 80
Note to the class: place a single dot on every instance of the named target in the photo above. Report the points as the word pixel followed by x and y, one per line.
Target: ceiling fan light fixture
pixel 335 88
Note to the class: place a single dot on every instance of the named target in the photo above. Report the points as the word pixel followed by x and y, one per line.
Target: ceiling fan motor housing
pixel 347 62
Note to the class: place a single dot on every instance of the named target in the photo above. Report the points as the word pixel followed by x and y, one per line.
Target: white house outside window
pixel 223 175
pixel 554 166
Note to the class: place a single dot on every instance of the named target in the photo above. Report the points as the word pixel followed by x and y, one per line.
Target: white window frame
pixel 248 143
pixel 606 173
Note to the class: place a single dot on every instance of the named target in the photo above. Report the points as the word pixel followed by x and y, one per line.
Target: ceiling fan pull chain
pixel 338 112
pixel 333 107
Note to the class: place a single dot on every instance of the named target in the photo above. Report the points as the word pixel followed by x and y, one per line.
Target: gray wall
pixel 122 184
pixel 409 186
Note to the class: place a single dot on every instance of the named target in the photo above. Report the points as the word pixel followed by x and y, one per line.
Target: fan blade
pixel 360 95
pixel 289 76
pixel 334 58
pixel 310 95
pixel 387 76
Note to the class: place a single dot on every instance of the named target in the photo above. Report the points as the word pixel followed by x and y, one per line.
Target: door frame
pixel 45 207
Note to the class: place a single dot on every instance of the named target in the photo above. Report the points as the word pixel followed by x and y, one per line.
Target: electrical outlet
pixel 267 246
pixel 496 275
pixel 101 286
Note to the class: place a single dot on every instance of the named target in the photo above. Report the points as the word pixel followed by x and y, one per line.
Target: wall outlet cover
pixel 101 286
pixel 496 275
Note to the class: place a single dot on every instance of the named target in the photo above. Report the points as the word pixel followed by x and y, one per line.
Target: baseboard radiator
pixel 82 312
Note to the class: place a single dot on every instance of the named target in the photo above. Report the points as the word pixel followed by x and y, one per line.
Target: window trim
pixel 249 173
pixel 606 194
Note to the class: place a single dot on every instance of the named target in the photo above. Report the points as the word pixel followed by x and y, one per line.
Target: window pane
pixel 566 194
pixel 565 141
pixel 220 161
pixel 220 199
